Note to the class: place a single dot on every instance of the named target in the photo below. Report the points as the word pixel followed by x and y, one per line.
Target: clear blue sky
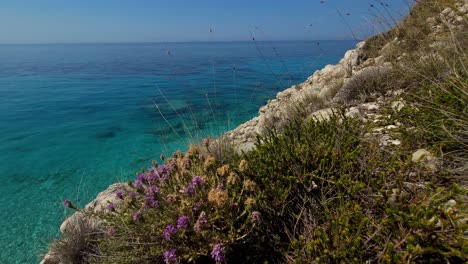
pixel 77 21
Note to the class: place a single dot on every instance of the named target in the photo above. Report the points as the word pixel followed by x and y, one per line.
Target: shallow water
pixel 75 118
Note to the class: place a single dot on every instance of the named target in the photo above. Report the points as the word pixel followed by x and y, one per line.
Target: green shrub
pixel 329 196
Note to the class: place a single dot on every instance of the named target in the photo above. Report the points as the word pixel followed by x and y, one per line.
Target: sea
pixel 75 118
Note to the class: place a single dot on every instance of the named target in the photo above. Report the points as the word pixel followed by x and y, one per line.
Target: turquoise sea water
pixel 76 118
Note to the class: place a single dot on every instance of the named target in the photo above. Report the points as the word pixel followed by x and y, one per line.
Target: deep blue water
pixel 76 118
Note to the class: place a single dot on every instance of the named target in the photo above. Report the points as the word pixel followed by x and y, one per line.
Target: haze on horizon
pixel 109 21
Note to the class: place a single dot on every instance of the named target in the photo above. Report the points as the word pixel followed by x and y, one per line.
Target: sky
pixel 108 21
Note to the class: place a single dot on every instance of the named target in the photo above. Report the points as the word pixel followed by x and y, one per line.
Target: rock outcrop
pixel 322 85
pixel 82 219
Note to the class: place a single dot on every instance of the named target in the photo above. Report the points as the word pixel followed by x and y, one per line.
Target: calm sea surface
pixel 76 118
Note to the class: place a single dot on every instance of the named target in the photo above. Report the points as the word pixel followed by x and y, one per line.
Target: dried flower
pixel 182 222
pixel 170 256
pixel 233 178
pixel 110 232
pixel 250 202
pixel 218 197
pixel 209 162
pixel 206 141
pixel 193 150
pixel 249 185
pixel 218 253
pixel 170 229
pixel 223 170
pixel 186 163
pixel 256 217
pixel 171 198
pixel 201 157
pixel 243 165
pixel 161 157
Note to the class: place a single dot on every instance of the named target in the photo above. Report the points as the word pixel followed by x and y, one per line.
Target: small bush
pixel 190 209
pixel 77 244
pixel 374 79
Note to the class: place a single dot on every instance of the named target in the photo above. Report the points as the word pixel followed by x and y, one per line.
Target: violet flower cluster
pixel 196 181
pixel 170 229
pixel 170 256
pixel 218 253
pixel 182 222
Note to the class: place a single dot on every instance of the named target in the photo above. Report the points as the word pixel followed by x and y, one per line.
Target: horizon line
pixel 165 42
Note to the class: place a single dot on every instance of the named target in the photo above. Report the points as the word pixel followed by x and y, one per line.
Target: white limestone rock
pixel 425 158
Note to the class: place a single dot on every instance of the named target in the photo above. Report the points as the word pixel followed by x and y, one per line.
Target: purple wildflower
pixel 164 172
pixel 197 180
pixel 137 216
pixel 150 201
pixel 138 183
pixel 201 222
pixel 196 206
pixel 234 206
pixel 142 177
pixel 182 222
pixel 220 187
pixel 152 177
pixel 189 190
pixel 111 207
pixel 170 256
pixel 67 203
pixel 218 253
pixel 170 229
pixel 153 189
pixel 119 194
pixel 150 194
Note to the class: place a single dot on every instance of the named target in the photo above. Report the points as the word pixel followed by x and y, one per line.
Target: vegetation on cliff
pixel 386 187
